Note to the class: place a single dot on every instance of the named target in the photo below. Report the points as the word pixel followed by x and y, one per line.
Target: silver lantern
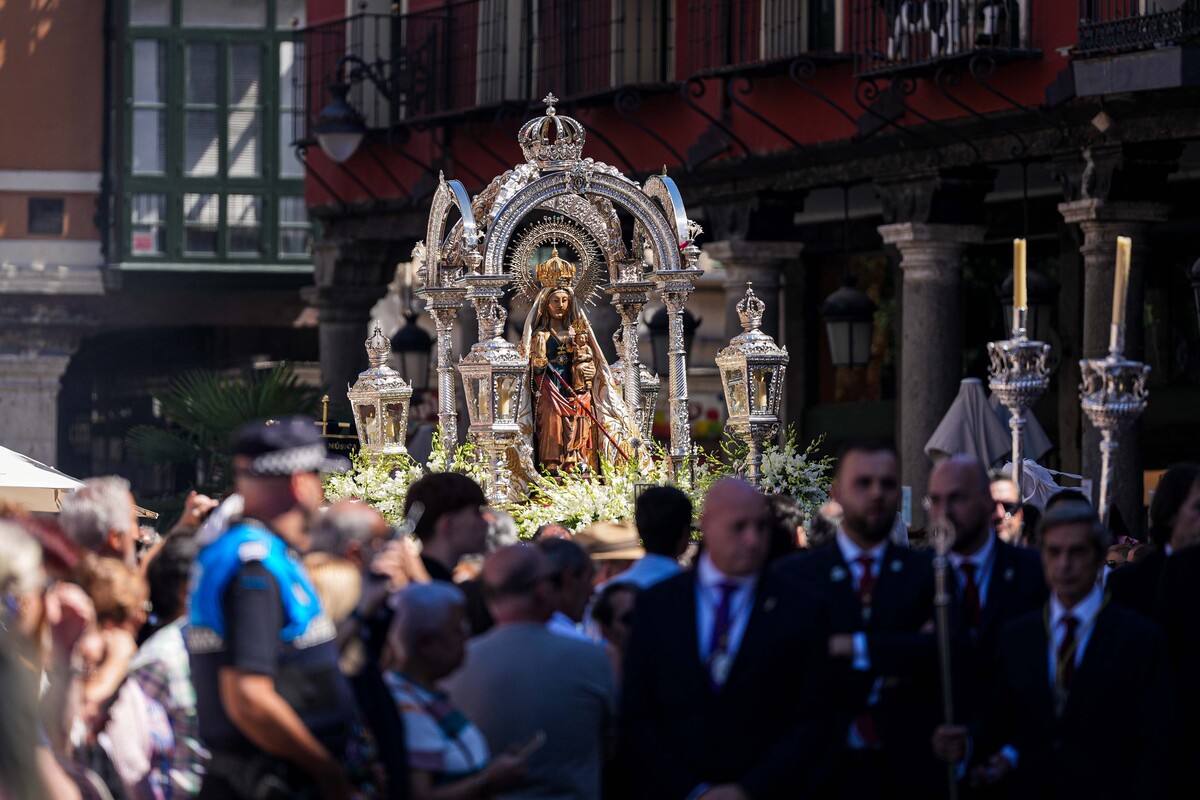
pixel 752 369
pixel 493 376
pixel 379 400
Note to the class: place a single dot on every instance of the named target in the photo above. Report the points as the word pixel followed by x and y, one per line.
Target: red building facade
pixel 902 143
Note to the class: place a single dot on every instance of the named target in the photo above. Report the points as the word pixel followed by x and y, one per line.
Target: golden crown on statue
pixel 556 271
pixel 579 326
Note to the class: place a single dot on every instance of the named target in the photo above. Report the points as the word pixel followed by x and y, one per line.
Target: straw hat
pixel 610 541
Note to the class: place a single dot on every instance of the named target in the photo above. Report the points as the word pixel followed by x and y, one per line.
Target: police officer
pixel 273 707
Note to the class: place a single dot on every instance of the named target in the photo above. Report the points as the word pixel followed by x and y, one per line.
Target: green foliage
pixel 203 410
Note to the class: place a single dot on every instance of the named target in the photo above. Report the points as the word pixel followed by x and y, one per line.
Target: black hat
pixel 287 446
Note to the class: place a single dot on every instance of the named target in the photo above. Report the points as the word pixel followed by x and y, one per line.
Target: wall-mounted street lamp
pixel 849 317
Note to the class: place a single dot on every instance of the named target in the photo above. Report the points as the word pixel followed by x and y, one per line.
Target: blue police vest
pixel 217 564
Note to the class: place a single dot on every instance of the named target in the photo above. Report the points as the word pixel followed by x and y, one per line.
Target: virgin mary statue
pixel 572 411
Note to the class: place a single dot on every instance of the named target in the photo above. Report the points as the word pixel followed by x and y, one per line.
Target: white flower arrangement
pixel 786 469
pixel 577 500
pixel 382 483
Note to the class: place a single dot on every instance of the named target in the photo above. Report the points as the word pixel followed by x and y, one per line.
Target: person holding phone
pixel 448 756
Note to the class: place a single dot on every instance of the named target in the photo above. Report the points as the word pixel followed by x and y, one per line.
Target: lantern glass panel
pixel 366 424
pixel 735 392
pixel 481 398
pixel 507 387
pixel 762 377
pixel 860 342
pixel 839 342
pixel 393 423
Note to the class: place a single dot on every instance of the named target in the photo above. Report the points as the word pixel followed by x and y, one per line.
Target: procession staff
pixel 1054 706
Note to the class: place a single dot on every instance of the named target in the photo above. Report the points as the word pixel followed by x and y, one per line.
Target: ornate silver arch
pixel 449 194
pixel 586 183
pixel 664 190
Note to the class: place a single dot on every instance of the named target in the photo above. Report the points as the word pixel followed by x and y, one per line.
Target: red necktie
pixel 1067 651
pixel 972 605
pixel 864 723
pixel 866 584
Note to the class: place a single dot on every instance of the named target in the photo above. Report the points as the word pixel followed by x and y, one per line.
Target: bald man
pixel 520 682
pixel 996 581
pixel 723 668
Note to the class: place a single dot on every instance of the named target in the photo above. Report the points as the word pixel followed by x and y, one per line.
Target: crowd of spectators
pixel 276 646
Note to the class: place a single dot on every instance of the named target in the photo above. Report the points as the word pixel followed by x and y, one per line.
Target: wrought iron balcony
pixel 896 36
pixel 1114 26
pixel 473 57
pixel 739 35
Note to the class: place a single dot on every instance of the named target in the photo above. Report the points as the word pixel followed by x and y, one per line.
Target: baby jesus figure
pixel 583 367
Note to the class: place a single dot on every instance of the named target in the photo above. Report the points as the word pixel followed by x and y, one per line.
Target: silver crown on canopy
pixel 379 347
pixel 552 141
pixel 750 310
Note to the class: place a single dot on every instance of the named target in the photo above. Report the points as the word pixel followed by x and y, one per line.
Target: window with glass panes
pixel 211 175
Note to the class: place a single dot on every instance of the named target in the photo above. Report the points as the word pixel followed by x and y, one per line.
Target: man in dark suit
pixel 723 668
pixel 880 601
pixel 1174 526
pixel 996 581
pixel 1056 715
pixel 1180 600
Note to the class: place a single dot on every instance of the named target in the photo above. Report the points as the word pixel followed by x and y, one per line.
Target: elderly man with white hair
pixel 448 755
pixel 101 517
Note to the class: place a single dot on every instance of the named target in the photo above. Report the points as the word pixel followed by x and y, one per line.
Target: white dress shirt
pixel 851 552
pixel 708 597
pixel 983 559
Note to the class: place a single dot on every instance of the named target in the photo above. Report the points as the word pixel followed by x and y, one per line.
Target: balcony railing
pixel 889 36
pixel 724 35
pixel 1114 26
pixel 475 55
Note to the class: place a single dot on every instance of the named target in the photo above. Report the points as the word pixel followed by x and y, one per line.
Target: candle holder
pixel 1018 375
pixel 1112 392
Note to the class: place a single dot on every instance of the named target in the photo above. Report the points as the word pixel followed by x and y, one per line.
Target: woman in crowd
pixel 448 755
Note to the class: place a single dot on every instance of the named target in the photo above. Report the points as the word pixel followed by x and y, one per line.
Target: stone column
pixel 760 263
pixel 1101 222
pixel 931 338
pixel 350 277
pixel 29 384
pixel 37 340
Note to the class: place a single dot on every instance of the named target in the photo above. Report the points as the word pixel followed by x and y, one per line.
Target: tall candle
pixel 1121 282
pixel 1020 291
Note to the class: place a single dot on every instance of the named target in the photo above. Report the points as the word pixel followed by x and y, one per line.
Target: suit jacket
pixel 762 729
pixel 1181 623
pixel 904 661
pixel 518 679
pixel 1136 586
pixel 1121 692
pixel 1017 587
